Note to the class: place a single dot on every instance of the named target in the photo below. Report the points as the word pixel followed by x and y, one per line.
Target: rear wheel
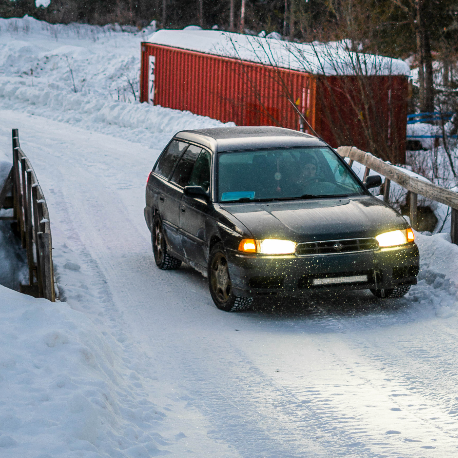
pixel 163 260
pixel 398 291
pixel 220 283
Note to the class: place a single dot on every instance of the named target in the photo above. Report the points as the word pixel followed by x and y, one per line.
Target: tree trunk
pixel 285 19
pixel 429 77
pixel 242 17
pixel 446 72
pixel 425 71
pixel 201 13
pixel 292 17
pixel 231 17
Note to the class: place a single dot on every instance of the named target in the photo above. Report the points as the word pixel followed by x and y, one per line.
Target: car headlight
pixel 267 246
pixel 395 238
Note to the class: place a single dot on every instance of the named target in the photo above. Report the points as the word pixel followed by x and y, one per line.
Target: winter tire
pixel 163 260
pixel 399 291
pixel 220 283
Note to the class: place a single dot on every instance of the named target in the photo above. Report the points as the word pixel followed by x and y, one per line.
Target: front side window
pixel 200 175
pixel 183 170
pixel 282 174
pixel 169 158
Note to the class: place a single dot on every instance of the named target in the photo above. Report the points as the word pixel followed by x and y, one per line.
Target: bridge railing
pixel 412 184
pixel 22 192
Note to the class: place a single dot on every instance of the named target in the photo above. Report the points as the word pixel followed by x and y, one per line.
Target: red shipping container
pixel 367 111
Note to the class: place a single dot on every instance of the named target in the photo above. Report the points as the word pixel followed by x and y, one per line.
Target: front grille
pixel 336 246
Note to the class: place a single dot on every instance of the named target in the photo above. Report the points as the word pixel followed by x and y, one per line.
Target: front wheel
pixel 163 260
pixel 220 283
pixel 398 291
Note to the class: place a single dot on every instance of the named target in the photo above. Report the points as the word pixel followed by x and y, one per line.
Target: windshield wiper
pixel 335 195
pixel 276 199
pixel 307 196
pixel 315 196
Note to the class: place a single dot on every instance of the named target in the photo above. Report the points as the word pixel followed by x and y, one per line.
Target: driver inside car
pixel 308 172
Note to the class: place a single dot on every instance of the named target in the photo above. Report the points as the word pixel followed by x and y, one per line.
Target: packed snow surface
pixel 136 362
pixel 317 58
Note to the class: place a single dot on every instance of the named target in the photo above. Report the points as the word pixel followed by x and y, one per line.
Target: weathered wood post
pixel 25 203
pixel 366 174
pixel 454 228
pixel 29 228
pixel 36 230
pixel 386 191
pixel 413 210
pixel 17 205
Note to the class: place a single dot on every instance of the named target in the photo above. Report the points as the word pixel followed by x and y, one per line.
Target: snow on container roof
pixel 315 58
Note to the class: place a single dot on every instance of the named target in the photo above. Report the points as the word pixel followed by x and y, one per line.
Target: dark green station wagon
pixel 270 211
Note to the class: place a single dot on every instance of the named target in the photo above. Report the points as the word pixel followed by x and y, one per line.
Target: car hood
pixel 323 219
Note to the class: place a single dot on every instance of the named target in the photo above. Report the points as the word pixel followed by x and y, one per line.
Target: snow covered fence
pixel 31 215
pixel 412 184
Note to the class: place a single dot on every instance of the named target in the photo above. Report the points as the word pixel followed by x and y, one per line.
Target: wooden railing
pixel 23 193
pixel 412 184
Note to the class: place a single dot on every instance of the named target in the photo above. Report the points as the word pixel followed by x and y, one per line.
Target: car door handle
pixel 161 198
pixel 183 209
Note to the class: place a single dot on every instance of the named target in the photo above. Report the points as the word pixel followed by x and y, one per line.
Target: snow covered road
pixel 338 376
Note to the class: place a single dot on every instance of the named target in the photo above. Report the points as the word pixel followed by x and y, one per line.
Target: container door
pixel 151 78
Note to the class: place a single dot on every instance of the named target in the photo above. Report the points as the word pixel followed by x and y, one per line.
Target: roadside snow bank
pixel 65 389
pixel 83 75
pixel 438 277
pixel 98 114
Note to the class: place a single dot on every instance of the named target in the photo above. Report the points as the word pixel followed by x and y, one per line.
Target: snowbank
pixel 318 59
pixel 65 389
pixel 83 75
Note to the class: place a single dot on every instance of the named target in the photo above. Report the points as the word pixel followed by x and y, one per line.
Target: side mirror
pixel 196 191
pixel 373 181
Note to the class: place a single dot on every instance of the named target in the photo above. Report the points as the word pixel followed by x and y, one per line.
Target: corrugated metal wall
pixel 342 109
pixel 226 89
pixel 369 111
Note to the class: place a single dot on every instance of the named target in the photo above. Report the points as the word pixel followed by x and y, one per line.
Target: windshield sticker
pixel 237 195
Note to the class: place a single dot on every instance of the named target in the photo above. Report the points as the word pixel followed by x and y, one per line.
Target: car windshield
pixel 283 174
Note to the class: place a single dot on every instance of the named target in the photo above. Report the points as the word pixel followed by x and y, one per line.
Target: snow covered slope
pixel 137 362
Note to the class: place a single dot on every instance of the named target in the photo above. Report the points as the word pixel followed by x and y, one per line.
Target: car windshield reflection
pixel 284 174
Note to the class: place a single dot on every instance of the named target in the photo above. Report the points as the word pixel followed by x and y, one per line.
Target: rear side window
pixel 183 170
pixel 169 158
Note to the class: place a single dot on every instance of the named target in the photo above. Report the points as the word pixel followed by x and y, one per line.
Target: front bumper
pixel 257 275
